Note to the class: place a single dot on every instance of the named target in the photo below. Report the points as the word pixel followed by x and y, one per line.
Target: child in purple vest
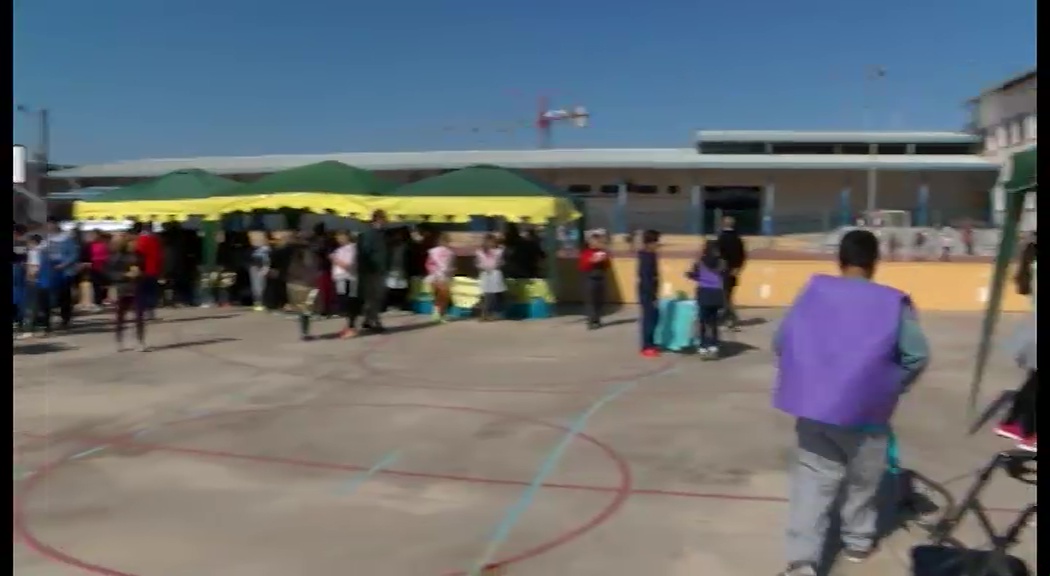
pixel 707 272
pixel 847 349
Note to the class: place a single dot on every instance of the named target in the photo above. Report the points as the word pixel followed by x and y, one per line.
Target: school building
pixel 774 182
pixel 1006 117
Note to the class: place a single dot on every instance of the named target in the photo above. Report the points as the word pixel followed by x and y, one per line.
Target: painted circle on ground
pixel 419 380
pixel 624 486
pixel 364 359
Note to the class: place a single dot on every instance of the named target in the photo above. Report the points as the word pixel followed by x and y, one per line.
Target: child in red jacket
pixel 594 263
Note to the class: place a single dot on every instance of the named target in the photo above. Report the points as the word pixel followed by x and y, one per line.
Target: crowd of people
pixel 321 273
pixel 331 273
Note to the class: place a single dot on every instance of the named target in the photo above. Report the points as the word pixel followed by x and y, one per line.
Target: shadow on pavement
pixel 102 325
pixel 192 344
pixel 37 348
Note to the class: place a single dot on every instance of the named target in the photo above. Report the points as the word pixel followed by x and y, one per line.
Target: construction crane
pixel 544 121
pixel 548 116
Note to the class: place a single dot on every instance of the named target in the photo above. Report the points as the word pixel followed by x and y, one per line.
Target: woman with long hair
pixel 489 259
pixel 344 275
pixel 708 272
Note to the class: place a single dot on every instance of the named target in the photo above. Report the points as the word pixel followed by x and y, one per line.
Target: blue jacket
pixel 62 249
pixel 46 276
pixel 18 283
pixel 648 274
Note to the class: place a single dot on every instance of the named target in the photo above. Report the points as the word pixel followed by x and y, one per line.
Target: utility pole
pixel 41 154
pixel 39 159
pixel 875 74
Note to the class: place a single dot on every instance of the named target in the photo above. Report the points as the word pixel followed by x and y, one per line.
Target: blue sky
pixel 128 79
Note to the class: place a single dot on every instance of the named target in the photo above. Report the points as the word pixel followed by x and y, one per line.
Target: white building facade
pixel 773 182
pixel 1006 118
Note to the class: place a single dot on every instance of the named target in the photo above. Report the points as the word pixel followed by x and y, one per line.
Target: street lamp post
pixel 874 75
pixel 40 157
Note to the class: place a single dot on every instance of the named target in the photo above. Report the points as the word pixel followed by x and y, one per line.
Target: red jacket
pixel 148 245
pixel 587 262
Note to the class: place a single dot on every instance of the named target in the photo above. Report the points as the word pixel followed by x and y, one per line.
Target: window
pixel 1030 129
pixel 579 188
pixel 672 189
pixel 803 148
pixel 731 147
pixel 892 149
pixel 855 149
pixel 610 189
pixel 944 149
pixel 643 189
pixel 1015 133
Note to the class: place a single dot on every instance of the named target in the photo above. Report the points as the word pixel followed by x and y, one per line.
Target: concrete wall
pixel 799 193
pixel 934 286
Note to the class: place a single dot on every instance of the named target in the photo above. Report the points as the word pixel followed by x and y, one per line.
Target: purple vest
pixel 838 352
pixel 707 278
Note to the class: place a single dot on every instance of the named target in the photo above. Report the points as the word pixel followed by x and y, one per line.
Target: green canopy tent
pixel 163 198
pixel 481 190
pixel 1020 178
pixel 328 186
pixel 486 190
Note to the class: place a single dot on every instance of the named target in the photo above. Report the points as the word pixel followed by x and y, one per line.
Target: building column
pixel 997 203
pixel 873 179
pixel 922 210
pixel 845 206
pixel 768 202
pixel 696 210
pixel 620 213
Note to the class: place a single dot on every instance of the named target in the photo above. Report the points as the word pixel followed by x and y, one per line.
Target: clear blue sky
pixel 128 79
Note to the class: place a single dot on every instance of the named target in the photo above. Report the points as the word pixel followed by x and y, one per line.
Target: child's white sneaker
pixel 709 353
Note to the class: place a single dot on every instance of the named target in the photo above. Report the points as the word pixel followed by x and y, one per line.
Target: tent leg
pixel 209 255
pixel 553 261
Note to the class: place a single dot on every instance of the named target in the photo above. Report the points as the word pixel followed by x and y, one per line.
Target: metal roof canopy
pixel 652 158
pixel 805 137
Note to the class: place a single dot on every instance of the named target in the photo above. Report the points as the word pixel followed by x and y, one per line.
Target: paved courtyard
pixel 233 449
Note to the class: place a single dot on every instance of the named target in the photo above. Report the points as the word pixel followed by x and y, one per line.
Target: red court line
pixel 336 466
pixel 24 533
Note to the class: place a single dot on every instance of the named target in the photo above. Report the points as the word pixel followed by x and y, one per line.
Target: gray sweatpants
pixel 834 461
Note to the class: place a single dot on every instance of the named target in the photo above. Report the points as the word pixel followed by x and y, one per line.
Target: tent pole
pixel 550 237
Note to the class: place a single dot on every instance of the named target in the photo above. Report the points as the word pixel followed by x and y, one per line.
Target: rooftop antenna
pixel 547 117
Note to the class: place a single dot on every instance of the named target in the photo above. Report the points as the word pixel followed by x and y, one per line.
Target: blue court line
pixel 88 452
pixel 354 483
pixel 515 512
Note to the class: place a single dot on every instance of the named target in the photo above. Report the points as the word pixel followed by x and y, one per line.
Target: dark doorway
pixel 744 203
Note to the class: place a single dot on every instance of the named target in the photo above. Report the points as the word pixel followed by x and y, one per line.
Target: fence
pixel 673 218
